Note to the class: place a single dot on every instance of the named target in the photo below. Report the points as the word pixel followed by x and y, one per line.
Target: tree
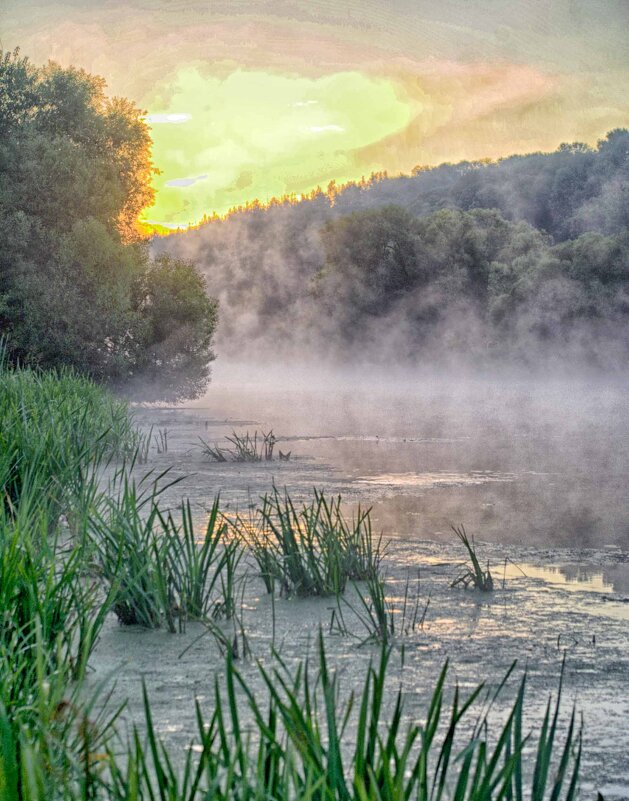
pixel 179 321
pixel 75 173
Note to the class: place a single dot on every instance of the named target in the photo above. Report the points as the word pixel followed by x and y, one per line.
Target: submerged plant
pixel 473 575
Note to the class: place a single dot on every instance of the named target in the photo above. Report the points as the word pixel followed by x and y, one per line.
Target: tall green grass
pixel 56 428
pixel 312 550
pixel 304 742
pixel 69 553
pixel 157 570
pixel 56 431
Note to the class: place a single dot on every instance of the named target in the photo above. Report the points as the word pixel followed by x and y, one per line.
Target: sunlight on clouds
pixel 326 128
pixel 172 119
pixel 255 128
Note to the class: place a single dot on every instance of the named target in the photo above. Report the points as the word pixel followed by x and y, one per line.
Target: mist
pixel 522 264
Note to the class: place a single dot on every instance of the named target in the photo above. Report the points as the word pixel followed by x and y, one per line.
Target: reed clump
pixel 243 448
pixel 157 570
pixel 472 574
pixel 312 550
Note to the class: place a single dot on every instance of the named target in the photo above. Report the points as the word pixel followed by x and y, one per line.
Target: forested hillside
pixel 523 260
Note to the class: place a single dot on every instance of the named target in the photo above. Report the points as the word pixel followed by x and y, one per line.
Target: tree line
pixel 522 261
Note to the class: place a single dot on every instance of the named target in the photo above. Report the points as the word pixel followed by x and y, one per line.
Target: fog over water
pixel 525 461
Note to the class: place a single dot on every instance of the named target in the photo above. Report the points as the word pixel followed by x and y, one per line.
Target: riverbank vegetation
pixel 74 550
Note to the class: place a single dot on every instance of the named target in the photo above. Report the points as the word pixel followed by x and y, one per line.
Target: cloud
pixel 326 129
pixel 248 139
pixel 167 119
pixel 185 181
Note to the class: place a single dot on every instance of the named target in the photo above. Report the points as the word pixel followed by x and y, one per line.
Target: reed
pixel 472 574
pixel 158 571
pixel 243 448
pixel 380 619
pixel 313 550
pixel 304 742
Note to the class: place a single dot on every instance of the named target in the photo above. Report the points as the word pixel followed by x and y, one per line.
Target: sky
pixel 253 99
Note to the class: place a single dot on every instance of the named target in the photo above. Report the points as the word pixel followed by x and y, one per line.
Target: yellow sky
pixel 249 100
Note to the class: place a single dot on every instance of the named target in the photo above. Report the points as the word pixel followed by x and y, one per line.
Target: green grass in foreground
pixel 304 742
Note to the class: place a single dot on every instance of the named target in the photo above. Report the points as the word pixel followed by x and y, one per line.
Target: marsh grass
pixel 380 619
pixel 302 738
pixel 243 448
pixel 473 574
pixel 158 571
pixel 304 742
pixel 161 440
pixel 56 430
pixel 313 550
pixel 204 572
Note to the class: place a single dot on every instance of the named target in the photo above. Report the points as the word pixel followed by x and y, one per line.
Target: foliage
pixel 311 551
pixel 77 286
pixel 56 429
pixel 244 448
pixel 523 261
pixel 179 321
pixel 473 574
pixel 380 619
pixel 157 572
pixel 303 747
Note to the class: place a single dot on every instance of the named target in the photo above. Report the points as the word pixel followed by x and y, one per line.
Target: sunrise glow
pixel 248 102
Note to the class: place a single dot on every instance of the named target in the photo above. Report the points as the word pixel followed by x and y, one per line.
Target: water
pixel 536 471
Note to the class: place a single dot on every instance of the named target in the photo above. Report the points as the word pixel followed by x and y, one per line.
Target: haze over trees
pixel 523 261
pixel 77 285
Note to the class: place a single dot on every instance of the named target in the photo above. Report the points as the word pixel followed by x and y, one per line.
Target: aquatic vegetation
pixel 157 571
pixel 244 448
pixel 473 574
pixel 203 572
pixel 309 743
pixel 381 620
pixel 303 738
pixel 161 440
pixel 313 550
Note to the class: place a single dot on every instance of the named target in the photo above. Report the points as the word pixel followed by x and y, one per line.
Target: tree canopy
pixel 77 285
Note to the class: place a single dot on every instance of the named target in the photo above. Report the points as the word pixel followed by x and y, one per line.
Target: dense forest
pixel 523 261
pixel 77 285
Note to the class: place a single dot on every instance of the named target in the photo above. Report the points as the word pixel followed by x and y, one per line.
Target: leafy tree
pixel 179 320
pixel 75 275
